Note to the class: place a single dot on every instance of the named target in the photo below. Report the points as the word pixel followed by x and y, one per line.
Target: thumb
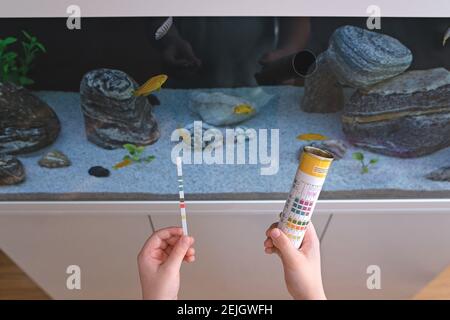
pixel 178 252
pixel 287 251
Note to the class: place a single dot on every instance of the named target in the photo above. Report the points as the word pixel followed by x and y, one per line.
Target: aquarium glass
pixel 100 110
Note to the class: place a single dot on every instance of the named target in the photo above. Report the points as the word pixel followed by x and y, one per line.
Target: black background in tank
pixel 123 43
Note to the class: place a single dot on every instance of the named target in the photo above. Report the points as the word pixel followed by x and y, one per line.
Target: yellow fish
pixel 153 84
pixel 243 109
pixel 311 136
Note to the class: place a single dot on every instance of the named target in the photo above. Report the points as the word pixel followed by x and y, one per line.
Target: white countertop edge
pixel 239 207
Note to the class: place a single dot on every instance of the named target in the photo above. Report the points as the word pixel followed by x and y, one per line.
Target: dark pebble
pixel 99 172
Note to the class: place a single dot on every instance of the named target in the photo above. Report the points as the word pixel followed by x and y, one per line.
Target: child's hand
pixel 160 260
pixel 301 267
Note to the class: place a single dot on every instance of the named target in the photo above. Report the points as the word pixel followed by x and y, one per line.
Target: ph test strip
pixel 181 193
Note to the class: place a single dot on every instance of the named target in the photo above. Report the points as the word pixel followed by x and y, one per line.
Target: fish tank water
pixel 101 112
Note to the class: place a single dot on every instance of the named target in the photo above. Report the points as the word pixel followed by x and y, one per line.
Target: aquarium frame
pixel 142 8
pixel 215 207
pixel 139 8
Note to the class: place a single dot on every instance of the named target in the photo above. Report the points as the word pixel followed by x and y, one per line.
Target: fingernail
pixel 275 233
pixel 186 240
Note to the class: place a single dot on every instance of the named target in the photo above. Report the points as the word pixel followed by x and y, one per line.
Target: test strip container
pixel 308 182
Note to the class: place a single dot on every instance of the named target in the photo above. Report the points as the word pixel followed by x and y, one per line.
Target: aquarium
pixel 101 112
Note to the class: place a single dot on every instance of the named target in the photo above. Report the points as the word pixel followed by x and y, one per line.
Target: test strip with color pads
pixel 181 192
pixel 308 182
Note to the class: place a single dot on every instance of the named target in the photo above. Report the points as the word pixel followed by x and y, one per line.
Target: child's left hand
pixel 160 261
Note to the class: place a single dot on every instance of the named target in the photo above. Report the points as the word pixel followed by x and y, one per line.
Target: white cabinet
pixel 105 248
pixel 410 249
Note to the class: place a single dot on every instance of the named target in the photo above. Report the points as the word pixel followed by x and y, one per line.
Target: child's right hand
pixel 302 271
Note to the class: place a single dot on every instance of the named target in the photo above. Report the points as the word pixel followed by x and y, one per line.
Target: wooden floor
pixel 438 289
pixel 15 284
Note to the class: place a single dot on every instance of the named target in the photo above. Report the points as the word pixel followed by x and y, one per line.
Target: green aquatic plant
pixel 7 59
pixel 14 67
pixel 135 155
pixel 364 165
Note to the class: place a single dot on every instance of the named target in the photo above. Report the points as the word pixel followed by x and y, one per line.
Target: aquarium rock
pixel 99 172
pixel 11 170
pixel 218 108
pixel 337 147
pixel 201 137
pixel 360 58
pixel 323 93
pixel 154 101
pixel 442 174
pixel 113 115
pixel 27 123
pixel 54 159
pixel 406 116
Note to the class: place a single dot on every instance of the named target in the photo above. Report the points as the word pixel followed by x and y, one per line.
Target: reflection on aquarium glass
pixel 101 113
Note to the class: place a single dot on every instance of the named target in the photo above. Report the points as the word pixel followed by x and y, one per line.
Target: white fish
pixel 164 28
pixel 446 36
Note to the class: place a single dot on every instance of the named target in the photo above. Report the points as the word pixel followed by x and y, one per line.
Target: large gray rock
pixel 322 93
pixel 406 116
pixel 11 170
pixel 360 58
pixel 27 123
pixel 113 116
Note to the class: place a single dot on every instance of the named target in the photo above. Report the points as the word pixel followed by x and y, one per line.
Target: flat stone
pixel 406 116
pixel 99 172
pixel 27 123
pixel 11 170
pixel 54 159
pixel 217 108
pixel 361 58
pixel 412 81
pixel 113 115
pixel 442 174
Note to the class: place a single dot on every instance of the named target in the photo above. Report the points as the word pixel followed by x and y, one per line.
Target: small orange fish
pixel 243 109
pixel 122 164
pixel 153 84
pixel 311 136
